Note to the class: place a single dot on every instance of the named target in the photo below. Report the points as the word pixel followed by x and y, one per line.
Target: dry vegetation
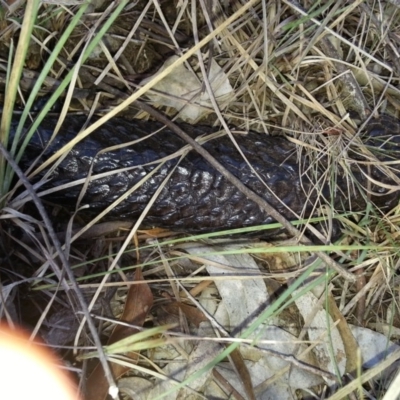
pixel 316 71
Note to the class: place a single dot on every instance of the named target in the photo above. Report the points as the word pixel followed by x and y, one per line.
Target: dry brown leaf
pixel 242 371
pixel 193 314
pixel 138 303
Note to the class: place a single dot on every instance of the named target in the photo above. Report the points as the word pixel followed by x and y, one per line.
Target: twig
pixel 244 189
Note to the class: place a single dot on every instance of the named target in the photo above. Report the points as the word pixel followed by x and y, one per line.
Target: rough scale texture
pixel 196 197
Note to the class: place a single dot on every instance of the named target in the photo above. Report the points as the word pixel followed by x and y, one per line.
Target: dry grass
pixel 314 71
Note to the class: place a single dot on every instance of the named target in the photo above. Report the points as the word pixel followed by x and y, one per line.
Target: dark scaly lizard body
pixel 197 198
